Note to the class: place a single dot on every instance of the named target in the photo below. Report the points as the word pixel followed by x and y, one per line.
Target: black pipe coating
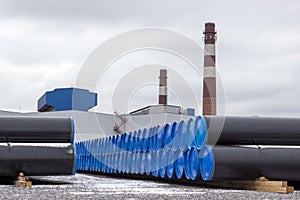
pixel 36 129
pixel 36 160
pixel 248 163
pixel 253 130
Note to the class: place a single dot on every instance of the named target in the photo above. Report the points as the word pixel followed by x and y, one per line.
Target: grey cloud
pixel 257 51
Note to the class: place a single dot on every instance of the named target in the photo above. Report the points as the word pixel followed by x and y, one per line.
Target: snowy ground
pixel 83 186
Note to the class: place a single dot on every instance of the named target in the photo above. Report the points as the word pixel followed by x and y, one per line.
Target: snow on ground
pixel 82 186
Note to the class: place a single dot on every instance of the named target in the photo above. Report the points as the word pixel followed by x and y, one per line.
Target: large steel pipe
pixel 249 163
pixel 253 130
pixel 36 129
pixel 36 160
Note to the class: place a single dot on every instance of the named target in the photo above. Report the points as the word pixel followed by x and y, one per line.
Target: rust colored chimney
pixel 209 75
pixel 163 92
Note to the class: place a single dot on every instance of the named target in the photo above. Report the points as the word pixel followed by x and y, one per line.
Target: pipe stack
pixel 161 151
pixel 36 146
pixel 185 150
pixel 249 147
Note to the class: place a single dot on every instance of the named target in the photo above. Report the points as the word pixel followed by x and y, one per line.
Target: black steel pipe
pixel 253 130
pixel 249 163
pixel 36 160
pixel 36 129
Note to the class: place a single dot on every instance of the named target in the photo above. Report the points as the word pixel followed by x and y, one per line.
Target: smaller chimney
pixel 163 92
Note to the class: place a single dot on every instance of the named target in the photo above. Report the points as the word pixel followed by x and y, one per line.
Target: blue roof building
pixel 62 99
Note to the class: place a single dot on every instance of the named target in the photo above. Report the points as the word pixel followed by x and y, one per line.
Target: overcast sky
pixel 43 45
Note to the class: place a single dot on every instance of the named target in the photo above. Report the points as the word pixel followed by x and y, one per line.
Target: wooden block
pixel 28 183
pixel 261 183
pixel 21 178
pixel 20 183
pixel 284 190
pixel 23 183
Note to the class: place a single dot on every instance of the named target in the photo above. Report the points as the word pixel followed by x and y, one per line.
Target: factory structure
pixel 161 141
pixel 76 103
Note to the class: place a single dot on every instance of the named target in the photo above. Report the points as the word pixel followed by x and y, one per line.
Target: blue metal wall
pixel 67 99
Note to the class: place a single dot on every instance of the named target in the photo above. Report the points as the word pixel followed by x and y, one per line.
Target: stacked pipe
pixel 185 150
pixel 249 147
pixel 36 146
pixel 162 151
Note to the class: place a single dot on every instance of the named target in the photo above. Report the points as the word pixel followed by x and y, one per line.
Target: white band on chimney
pixel 162 90
pixel 209 49
pixel 209 72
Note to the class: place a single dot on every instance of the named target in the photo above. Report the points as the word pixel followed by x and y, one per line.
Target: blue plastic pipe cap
pixel 155 165
pixel 130 142
pixel 175 136
pixel 163 160
pixel 200 131
pixel 113 143
pixel 109 144
pixel 132 166
pixel 148 163
pixel 153 160
pixel 142 163
pixel 179 164
pixel 118 142
pixel 191 133
pixel 193 163
pixel 145 136
pixel 137 163
pixel 134 143
pixel 120 161
pixel 73 130
pixel 126 141
pixel 186 167
pixel 159 137
pixel 139 140
pixel 167 136
pixel 182 130
pixel 207 163
pixel 170 162
pixel 151 138
pixel 128 162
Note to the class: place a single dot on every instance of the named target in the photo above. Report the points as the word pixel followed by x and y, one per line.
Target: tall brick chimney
pixel 209 75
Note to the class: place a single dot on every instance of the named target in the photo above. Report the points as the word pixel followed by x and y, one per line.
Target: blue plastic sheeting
pixel 206 162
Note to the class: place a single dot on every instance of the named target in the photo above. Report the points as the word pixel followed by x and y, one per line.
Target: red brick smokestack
pixel 209 75
pixel 163 92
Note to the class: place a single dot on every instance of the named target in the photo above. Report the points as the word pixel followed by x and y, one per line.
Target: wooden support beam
pixel 261 184
pixel 22 182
